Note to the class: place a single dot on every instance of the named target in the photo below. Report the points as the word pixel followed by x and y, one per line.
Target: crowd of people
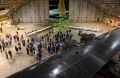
pixel 7 42
pixel 53 43
pixel 85 37
pixel 35 45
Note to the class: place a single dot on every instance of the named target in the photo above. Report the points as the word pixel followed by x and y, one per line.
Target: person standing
pixel 19 47
pixel 39 56
pixel 11 39
pixel 57 48
pixel 17 38
pixel 6 54
pixel 1 48
pixel 31 50
pixel 10 53
pixel 39 47
pixel 51 49
pixel 48 48
pixel 45 45
pixel 28 41
pixel 3 45
pixel 16 49
pixel 17 33
pixel 54 49
pixel 23 42
pixel 22 37
pixel 27 49
pixel 36 53
pixel 14 37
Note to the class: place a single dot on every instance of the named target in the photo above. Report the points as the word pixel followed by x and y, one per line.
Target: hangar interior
pixel 40 34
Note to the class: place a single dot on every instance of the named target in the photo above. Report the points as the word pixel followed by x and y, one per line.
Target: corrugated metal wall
pixel 83 11
pixel 36 11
